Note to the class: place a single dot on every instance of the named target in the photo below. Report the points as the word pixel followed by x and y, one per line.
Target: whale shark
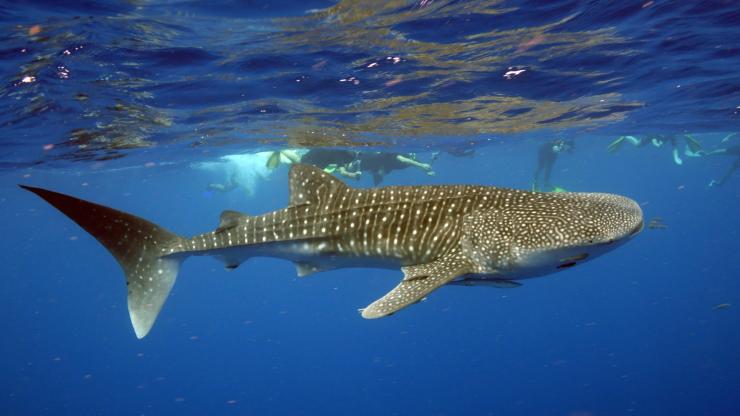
pixel 438 235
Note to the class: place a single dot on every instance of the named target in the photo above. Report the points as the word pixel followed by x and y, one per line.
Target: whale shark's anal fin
pixel 418 282
pixel 149 255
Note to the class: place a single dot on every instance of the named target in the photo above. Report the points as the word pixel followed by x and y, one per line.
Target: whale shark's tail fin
pixel 149 255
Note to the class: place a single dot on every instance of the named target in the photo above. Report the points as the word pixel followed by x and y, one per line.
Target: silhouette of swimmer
pixel 379 164
pixel 693 146
pixel 547 154
pixel 351 163
pixel 339 161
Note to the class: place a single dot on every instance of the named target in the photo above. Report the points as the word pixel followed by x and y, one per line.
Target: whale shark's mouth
pixel 637 229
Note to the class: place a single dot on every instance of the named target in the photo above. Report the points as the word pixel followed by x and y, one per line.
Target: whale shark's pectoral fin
pixel 418 282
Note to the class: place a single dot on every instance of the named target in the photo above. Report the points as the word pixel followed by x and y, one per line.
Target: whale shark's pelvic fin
pixel 497 283
pixel 418 282
pixel 229 220
pixel 149 255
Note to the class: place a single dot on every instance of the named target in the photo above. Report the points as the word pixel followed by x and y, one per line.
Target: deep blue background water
pixel 169 87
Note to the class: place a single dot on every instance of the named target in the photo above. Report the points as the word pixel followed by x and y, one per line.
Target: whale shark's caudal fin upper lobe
pixel 149 255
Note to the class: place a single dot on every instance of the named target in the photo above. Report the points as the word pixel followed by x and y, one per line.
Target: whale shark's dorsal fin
pixel 311 185
pixel 419 281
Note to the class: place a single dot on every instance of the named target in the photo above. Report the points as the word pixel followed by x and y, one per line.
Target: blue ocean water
pixel 142 105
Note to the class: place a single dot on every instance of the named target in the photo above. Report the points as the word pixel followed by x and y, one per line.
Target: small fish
pixel 656 223
pixel 722 306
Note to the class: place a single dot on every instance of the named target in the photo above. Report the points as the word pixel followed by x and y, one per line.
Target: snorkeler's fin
pixel 149 255
pixel 274 160
pixel 693 144
pixel 677 157
pixel 727 138
pixel 615 145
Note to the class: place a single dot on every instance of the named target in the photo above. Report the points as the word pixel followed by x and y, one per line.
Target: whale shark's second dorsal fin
pixel 419 281
pixel 229 220
pixel 311 185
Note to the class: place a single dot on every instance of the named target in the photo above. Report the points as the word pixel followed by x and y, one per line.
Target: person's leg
pixel 292 155
pixel 547 172
pixel 674 150
pixel 615 145
pixel 377 178
pixel 544 154
pixel 229 186
pixel 693 145
pixel 676 156
pixel 412 162
pixel 727 175
pixel 536 176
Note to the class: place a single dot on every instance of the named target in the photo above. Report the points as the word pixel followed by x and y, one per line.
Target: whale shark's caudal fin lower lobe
pixel 149 255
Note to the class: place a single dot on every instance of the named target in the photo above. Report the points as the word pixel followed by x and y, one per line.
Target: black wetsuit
pixel 546 157
pixel 324 157
pixel 380 164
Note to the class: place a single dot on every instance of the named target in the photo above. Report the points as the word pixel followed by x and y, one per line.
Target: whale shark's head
pixel 550 232
pixel 584 226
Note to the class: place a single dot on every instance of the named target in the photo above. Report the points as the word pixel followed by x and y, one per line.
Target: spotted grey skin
pixel 437 235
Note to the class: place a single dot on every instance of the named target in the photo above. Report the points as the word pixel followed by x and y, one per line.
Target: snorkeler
pixel 547 154
pixel 693 146
pixel 341 162
pixel 380 164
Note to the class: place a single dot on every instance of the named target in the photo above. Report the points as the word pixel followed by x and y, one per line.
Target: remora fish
pixel 435 234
